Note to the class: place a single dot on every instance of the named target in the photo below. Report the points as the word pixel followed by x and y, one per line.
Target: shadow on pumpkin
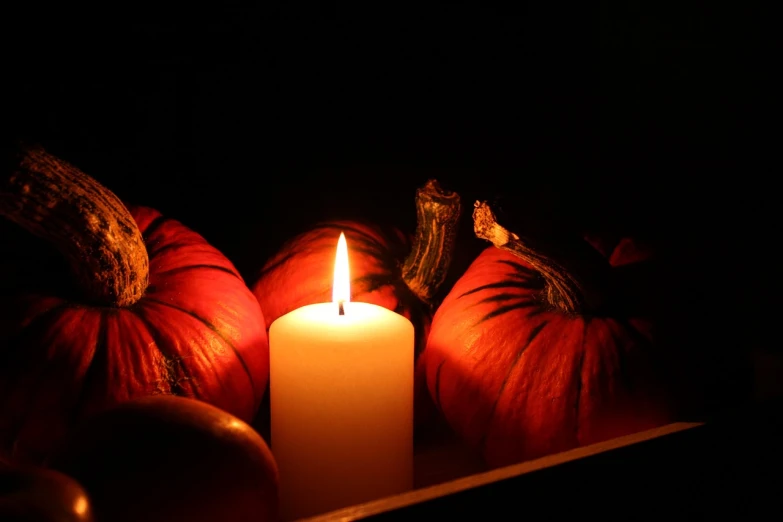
pixel 518 380
pixel 62 359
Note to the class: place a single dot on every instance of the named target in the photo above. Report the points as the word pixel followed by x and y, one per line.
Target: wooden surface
pixel 727 468
pixel 456 476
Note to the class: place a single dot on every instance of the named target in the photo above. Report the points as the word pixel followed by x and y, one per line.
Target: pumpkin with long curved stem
pixel 531 354
pixel 143 306
pixel 386 267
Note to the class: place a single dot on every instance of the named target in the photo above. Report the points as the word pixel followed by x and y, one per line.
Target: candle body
pixel 341 396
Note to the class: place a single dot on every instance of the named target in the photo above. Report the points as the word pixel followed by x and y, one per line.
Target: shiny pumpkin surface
pixel 171 459
pixel 302 271
pixel 518 379
pixel 197 332
pixel 33 494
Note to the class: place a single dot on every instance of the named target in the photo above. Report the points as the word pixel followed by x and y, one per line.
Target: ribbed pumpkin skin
pixel 302 272
pixel 518 380
pixel 197 332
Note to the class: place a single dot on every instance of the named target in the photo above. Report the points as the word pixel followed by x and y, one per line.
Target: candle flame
pixel 341 289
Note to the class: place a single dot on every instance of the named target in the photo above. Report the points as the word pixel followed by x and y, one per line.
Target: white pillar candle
pixel 341 392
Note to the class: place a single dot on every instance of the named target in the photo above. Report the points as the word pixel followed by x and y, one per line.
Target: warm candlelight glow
pixel 80 505
pixel 341 399
pixel 341 290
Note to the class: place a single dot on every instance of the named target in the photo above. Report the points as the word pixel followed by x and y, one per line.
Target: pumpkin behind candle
pixel 388 269
pixel 341 389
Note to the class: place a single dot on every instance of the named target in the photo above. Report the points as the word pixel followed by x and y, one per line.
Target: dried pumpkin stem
pixel 577 276
pixel 437 212
pixel 86 222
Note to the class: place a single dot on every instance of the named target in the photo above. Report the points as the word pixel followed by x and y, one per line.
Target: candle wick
pixel 340 308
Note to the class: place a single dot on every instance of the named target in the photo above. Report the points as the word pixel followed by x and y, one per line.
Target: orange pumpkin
pixel 386 268
pixel 143 306
pixel 525 359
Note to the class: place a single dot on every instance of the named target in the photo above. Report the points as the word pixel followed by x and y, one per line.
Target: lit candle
pixel 341 392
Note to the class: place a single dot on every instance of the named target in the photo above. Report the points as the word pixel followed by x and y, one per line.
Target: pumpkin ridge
pixel 523 285
pixel 373 281
pixel 362 236
pixel 519 305
pixel 101 344
pixel 533 334
pixel 364 244
pixel 156 252
pixel 578 381
pixel 369 250
pixel 298 251
pixel 437 384
pixel 531 277
pixel 283 260
pixel 196 267
pixel 359 240
pixel 520 268
pixel 498 298
pixel 215 330
pixel 622 360
pixel 171 380
pixel 39 324
pixel 154 226
pixel 36 321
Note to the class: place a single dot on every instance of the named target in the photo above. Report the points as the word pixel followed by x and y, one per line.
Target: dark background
pixel 247 123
